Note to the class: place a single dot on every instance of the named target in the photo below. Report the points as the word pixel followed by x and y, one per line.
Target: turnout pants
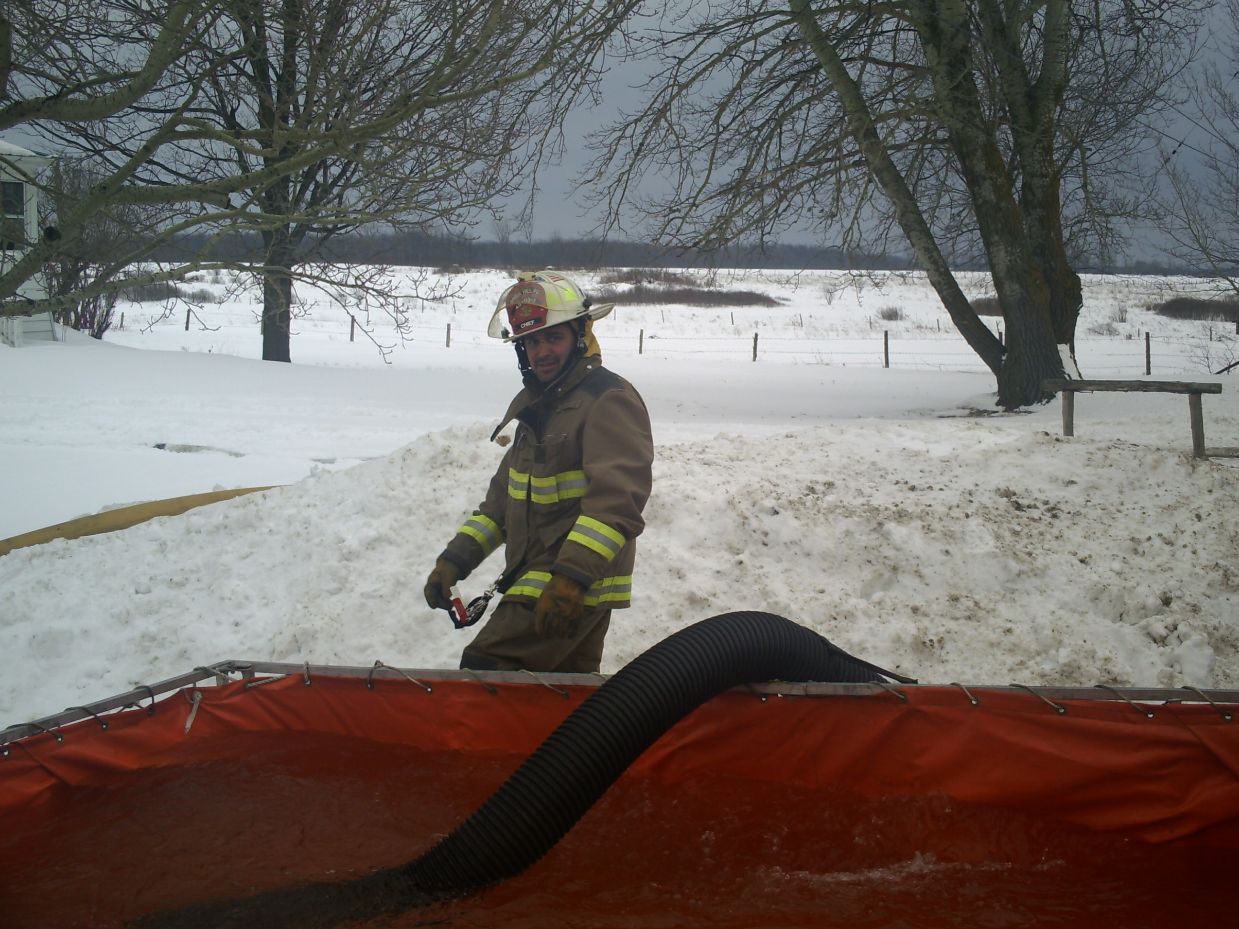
pixel 508 642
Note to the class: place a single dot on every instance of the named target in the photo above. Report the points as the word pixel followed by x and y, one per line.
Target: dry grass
pixel 1223 310
pixel 660 286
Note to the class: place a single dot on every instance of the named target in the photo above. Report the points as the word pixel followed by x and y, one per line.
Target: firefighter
pixel 567 498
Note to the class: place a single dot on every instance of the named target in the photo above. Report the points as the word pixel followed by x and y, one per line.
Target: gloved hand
pixel 562 603
pixel 438 589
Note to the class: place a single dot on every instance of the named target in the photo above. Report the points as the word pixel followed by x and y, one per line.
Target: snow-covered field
pixel 892 509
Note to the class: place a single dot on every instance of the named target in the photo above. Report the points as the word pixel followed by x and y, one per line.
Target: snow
pixel 894 510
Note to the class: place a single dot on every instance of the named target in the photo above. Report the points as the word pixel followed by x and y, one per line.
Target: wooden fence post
pixel 641 343
pixel 449 335
pixel 886 348
pixel 352 326
pixel 187 312
pixel 1148 356
pixel 754 346
pixel 1198 425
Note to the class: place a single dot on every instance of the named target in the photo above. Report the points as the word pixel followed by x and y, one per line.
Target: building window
pixel 12 215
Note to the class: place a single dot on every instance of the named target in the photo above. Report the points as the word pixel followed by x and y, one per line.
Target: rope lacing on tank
pixel 1058 707
pixel 1147 713
pixel 1225 714
pixel 150 692
pixel 103 723
pixel 490 688
pixel 975 701
pixel 408 677
pixel 892 689
pixel 548 686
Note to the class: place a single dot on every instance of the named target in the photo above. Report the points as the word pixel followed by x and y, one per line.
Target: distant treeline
pixel 412 249
pixel 420 250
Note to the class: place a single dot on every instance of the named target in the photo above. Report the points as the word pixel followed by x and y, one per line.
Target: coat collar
pixel 535 396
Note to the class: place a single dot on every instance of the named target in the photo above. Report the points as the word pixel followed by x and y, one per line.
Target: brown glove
pixel 562 603
pixel 438 588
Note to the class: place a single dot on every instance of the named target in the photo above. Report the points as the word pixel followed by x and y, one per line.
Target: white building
pixel 19 228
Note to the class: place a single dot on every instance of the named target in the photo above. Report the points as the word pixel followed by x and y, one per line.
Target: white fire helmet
pixel 539 300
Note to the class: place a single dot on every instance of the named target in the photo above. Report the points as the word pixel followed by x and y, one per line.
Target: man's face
pixel 548 351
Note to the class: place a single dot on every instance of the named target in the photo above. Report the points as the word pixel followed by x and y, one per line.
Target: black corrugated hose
pixel 563 778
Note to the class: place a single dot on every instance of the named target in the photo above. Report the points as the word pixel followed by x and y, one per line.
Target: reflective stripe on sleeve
pixel 597 536
pixel 530 584
pixel 608 591
pixel 483 530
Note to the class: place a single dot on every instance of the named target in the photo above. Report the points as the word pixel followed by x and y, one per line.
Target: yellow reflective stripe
pixel 483 530
pixel 530 584
pixel 567 485
pixel 610 590
pixel 518 484
pixel 605 591
pixel 596 536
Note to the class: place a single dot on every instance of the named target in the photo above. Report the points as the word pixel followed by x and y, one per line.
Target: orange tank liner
pixel 1154 773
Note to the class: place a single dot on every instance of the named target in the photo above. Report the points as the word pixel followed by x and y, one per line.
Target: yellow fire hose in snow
pixel 121 518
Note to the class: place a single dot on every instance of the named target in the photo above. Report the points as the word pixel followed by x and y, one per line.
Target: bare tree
pixel 297 120
pixel 1202 166
pixel 101 235
pixel 1003 130
pixel 78 62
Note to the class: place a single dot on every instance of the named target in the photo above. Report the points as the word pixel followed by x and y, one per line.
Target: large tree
pixel 297 120
pixel 1004 130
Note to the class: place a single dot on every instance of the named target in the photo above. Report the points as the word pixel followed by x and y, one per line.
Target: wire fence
pixel 790 339
pixel 1098 356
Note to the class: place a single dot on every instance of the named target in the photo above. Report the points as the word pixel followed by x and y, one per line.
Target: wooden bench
pixel 1069 388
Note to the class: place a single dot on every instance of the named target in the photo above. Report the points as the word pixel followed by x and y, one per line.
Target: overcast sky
pixel 561 210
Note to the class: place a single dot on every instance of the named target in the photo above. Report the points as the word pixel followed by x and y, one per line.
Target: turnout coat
pixel 568 495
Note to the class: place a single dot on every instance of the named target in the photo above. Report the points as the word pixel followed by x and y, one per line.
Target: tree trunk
pixel 1027 296
pixel 1017 247
pixel 277 296
pixel 1032 357
pixel 1066 296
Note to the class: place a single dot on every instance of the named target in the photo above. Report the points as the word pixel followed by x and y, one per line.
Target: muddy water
pixel 715 853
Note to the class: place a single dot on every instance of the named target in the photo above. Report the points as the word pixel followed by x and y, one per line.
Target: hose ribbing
pixel 576 764
pixel 537 805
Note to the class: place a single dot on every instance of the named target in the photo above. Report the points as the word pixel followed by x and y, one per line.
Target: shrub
pixel 1223 310
pixel 892 314
pixel 157 292
pixel 201 295
pixel 691 296
pixel 663 276
pixel 163 291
